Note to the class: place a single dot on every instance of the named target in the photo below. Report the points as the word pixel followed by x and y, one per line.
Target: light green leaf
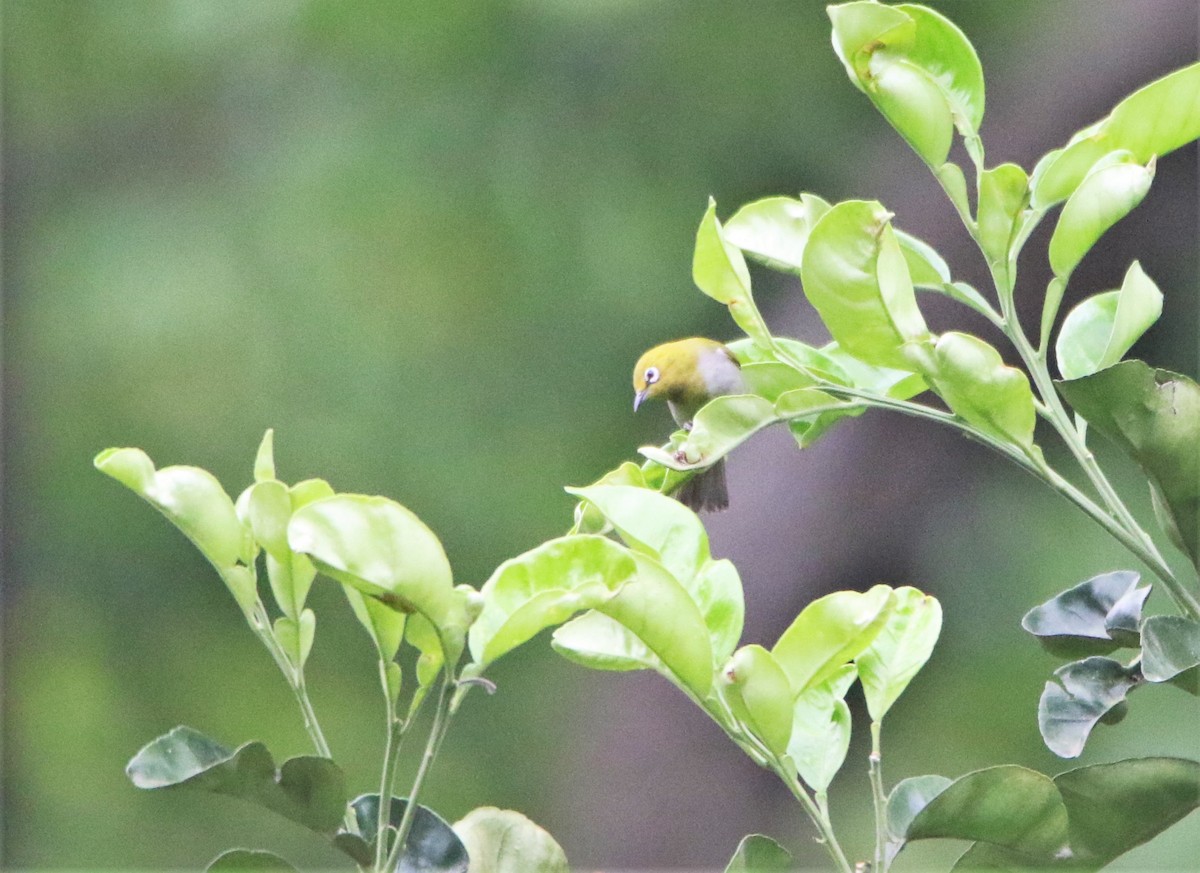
pixel 385 551
pixel 1170 645
pixel 917 68
pixel 194 501
pixel 544 587
pixel 979 387
pixel 925 265
pixel 759 854
pixel 720 271
pixel 770 379
pixel 821 729
pixel 383 624
pixel 855 275
pixel 908 798
pixel 588 518
pixel 1003 194
pixel 264 460
pixel 900 650
pixel 305 492
pixel 504 841
pixel 247 860
pixel 1107 194
pixel 1154 416
pixel 595 641
pixel 759 695
pixel 296 635
pixel 1099 331
pixel 652 524
pixel 1080 695
pixel 774 230
pixel 1152 121
pixel 829 633
pixel 717 590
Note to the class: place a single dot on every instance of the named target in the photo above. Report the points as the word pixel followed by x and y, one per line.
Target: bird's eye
pixel 651 375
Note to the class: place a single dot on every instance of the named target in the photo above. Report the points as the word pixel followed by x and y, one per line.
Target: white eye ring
pixel 651 375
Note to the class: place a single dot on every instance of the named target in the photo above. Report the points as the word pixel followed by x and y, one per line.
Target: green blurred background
pixel 425 242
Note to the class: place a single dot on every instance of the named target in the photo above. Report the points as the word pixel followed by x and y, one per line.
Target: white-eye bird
pixel 688 373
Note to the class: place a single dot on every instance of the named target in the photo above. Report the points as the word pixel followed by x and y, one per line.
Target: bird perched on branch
pixel 688 373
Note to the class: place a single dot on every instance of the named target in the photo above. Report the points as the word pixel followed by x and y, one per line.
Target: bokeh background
pixel 425 242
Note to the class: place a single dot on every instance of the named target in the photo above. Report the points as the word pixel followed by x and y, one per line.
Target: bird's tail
pixel 705 491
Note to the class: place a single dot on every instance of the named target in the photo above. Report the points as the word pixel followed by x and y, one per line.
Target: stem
pixel 880 798
pixel 391 759
pixel 818 814
pixel 436 734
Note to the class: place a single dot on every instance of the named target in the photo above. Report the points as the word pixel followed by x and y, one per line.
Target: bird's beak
pixel 638 398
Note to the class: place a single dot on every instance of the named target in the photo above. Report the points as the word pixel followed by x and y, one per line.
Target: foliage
pixel 652 597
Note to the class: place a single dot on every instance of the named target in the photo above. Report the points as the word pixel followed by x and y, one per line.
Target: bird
pixel 688 373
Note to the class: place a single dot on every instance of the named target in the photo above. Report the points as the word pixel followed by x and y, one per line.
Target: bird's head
pixel 670 370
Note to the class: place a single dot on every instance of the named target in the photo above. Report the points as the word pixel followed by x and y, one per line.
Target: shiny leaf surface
pixel 1088 618
pixel 829 633
pixel 504 841
pixel 1100 330
pixel 1077 697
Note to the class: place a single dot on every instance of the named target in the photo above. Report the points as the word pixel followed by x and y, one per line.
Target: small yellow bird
pixel 688 373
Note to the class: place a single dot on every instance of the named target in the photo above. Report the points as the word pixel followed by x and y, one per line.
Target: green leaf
pixel 1170 645
pixel 720 271
pixel 775 230
pixel 821 729
pixel 916 67
pixel 266 507
pixel 925 265
pixel 1116 807
pixel 901 649
pixel 1089 618
pixel 595 641
pixel 307 790
pixel 652 524
pixel 1099 331
pixel 1003 194
pixel 1008 806
pixel 759 695
pixel 305 492
pixel 770 379
pixel 432 845
pixel 854 273
pixel 382 549
pixel 1153 415
pixel 909 797
pixel 544 587
pixel 979 387
pixel 194 501
pixel 1106 195
pixel 383 624
pixel 759 854
pixel 296 635
pixel 588 519
pixel 831 632
pixel 1079 695
pixel 1152 121
pixel 504 841
pixel 264 460
pixel 247 860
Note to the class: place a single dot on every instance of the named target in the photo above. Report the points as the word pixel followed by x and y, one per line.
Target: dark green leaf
pixel 1009 806
pixel 1082 620
pixel 503 841
pixel 909 797
pixel 1154 415
pixel 759 854
pixel 249 861
pixel 1170 645
pixel 308 790
pixel 1116 807
pixel 1078 696
pixel 432 845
